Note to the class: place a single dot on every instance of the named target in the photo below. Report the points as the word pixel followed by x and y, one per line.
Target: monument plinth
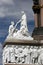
pixel 13 41
pixel 22 52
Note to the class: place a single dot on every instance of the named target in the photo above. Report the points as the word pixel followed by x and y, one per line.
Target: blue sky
pixel 10 10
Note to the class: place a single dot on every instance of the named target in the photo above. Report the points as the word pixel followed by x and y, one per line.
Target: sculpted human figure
pixel 22 55
pixel 11 28
pixel 34 55
pixel 22 33
pixel 40 58
pixel 16 54
pixel 31 51
pixel 20 51
pixel 24 22
pixel 12 55
pixel 27 53
pixel 23 28
pixel 7 55
pixel 4 57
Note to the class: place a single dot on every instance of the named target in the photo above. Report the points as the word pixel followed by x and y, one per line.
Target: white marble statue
pixel 11 28
pixel 24 22
pixel 23 28
pixel 22 33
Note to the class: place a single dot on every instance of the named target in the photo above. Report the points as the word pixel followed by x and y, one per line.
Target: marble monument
pixel 22 48
pixel 23 33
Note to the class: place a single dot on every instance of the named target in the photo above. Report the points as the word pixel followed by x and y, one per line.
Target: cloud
pixel 4 7
pixel 12 7
pixel 6 2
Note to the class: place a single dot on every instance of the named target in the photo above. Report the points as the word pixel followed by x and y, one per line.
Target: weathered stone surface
pixel 20 64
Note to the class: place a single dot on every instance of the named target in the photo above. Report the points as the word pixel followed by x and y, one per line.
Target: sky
pixel 10 10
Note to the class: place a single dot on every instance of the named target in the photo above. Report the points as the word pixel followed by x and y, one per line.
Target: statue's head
pixel 12 22
pixel 31 47
pixel 40 47
pixel 35 47
pixel 23 47
pixel 22 12
pixel 28 47
pixel 16 47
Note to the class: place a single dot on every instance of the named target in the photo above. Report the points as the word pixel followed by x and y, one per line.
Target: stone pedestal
pixel 13 41
pixel 25 43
